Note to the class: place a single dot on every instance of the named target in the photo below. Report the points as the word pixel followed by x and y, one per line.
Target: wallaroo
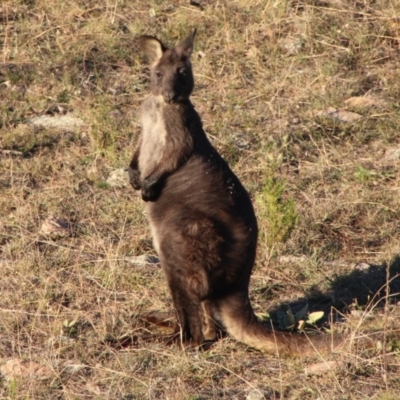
pixel 201 217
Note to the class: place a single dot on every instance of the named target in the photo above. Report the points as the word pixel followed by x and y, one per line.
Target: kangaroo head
pixel 171 70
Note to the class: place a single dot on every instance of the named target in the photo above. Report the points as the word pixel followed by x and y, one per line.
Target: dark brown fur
pixel 202 219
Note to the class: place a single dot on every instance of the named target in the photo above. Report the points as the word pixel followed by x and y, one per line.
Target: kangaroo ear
pixel 185 48
pixel 152 47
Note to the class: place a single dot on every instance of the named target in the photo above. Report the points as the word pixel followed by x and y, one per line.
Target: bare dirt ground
pixel 302 99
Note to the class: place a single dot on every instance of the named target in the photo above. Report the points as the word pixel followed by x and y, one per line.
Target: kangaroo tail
pixel 240 322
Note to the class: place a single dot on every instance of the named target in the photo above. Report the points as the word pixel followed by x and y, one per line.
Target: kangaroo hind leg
pixel 188 284
pixel 189 255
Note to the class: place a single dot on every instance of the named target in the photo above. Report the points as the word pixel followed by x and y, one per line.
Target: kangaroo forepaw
pixel 134 178
pixel 150 189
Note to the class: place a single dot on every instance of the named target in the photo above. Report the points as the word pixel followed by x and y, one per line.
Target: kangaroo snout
pixel 170 97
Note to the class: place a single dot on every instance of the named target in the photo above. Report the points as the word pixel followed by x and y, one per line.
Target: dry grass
pixel 264 72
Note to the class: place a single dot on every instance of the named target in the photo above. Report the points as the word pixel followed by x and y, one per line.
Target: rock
pixel 168 8
pixel 115 114
pixel 11 152
pixel 322 368
pixel 362 266
pixel 18 368
pixel 392 154
pixel 340 115
pixel 55 227
pixel 240 141
pixel 72 369
pixel 200 4
pixel 290 45
pixel 335 263
pixel 143 260
pixel 61 341
pixel 60 122
pixel 364 102
pixel 357 313
pixel 118 178
pixel 257 395
pixel 288 259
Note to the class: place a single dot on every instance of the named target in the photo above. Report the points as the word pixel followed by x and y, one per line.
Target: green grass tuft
pixel 278 213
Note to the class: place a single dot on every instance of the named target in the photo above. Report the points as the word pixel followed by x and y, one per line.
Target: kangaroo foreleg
pixel 133 169
pixel 174 155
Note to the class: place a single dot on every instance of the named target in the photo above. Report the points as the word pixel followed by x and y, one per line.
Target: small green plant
pixel 13 389
pixel 63 97
pixel 278 213
pixel 363 175
pixel 28 140
pixel 287 320
pixel 102 185
pixel 69 328
pixel 104 131
pixel 387 395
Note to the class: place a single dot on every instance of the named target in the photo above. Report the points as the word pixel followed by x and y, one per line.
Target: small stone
pixel 58 341
pixel 11 152
pixel 340 115
pixel 392 154
pixel 55 227
pixel 362 266
pixel 17 367
pixel 143 260
pixel 291 46
pixel 241 141
pixel 200 4
pixel 364 102
pixel 59 122
pixel 357 313
pixel 335 263
pixel 322 368
pixel 115 114
pixel 118 178
pixel 73 369
pixel 288 259
pixel 256 395
pixel 168 8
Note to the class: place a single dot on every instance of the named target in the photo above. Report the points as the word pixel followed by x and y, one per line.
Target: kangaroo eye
pixel 158 74
pixel 182 71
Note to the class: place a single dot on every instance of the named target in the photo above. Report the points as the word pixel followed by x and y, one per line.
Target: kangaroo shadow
pixel 365 284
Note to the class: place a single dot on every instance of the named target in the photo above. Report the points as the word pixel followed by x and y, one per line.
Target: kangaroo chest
pixel 154 135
